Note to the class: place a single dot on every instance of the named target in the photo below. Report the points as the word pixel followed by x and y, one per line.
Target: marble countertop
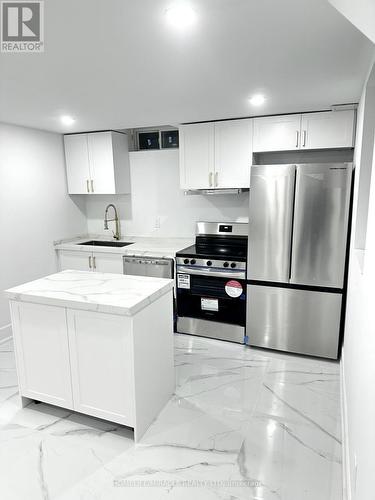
pixel 101 292
pixel 144 246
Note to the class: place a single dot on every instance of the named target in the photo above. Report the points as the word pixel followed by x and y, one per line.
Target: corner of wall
pixel 346 478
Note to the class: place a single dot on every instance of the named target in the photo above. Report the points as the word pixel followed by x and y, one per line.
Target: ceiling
pixel 117 63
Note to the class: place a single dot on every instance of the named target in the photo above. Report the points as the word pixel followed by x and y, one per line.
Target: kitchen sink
pixel 98 243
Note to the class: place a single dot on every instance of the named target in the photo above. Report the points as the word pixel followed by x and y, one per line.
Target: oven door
pixel 211 298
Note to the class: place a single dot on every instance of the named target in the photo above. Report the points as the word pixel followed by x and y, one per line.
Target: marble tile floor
pixel 243 424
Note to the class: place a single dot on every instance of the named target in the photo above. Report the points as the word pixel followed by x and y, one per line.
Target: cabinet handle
pixel 297 138
pixel 210 175
pixel 92 186
pixel 87 185
pixel 216 179
pixel 304 139
pixel 94 262
pixel 90 265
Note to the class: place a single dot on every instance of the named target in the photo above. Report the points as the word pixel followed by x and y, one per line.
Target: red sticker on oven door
pixel 233 288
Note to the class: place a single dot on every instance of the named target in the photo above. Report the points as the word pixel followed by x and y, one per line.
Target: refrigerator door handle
pixel 292 226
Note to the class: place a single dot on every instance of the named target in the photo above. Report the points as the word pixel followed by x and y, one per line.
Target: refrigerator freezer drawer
pixel 294 320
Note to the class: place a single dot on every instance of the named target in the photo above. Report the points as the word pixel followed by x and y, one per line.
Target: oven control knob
pixel 226 264
pixel 209 263
pixel 233 265
pixel 193 261
pixel 186 261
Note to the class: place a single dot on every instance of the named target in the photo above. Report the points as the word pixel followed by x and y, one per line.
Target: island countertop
pixel 101 292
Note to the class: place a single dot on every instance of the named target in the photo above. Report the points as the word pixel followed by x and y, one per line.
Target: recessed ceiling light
pixel 67 120
pixel 181 15
pixel 257 100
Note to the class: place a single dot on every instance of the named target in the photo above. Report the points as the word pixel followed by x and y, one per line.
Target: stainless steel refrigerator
pixel 298 232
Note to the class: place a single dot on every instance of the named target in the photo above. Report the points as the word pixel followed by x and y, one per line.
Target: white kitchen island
pixel 99 344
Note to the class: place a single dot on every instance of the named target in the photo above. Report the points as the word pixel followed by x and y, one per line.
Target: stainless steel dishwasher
pixel 157 267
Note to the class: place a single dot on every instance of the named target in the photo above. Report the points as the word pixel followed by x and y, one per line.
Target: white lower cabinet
pixel 103 262
pixel 42 351
pixel 110 366
pixel 80 360
pixel 101 354
pixel 108 263
pixel 77 261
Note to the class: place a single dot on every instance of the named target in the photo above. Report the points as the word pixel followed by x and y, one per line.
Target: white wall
pixel 156 195
pixel 35 209
pixel 361 13
pixel 359 343
pixel 364 157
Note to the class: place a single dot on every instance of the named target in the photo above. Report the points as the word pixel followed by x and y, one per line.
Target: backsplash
pixel 157 206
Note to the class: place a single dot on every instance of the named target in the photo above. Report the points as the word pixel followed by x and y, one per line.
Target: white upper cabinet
pixel 327 130
pixel 276 133
pixel 323 130
pixel 97 163
pixel 233 153
pixel 216 155
pixel 77 163
pixel 197 156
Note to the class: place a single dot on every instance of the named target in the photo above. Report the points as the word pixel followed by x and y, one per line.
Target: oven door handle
pixel 212 272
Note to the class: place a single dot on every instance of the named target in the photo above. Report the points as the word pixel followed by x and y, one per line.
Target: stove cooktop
pixel 218 241
pixel 215 252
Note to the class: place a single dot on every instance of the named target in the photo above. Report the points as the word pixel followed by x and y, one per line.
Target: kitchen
pixel 167 219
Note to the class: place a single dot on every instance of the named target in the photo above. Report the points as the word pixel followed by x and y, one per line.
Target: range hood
pixel 215 191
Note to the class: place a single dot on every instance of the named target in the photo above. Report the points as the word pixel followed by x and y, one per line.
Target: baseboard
pixel 347 490
pixel 5 333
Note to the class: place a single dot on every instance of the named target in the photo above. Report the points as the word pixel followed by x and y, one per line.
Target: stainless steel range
pixel 211 282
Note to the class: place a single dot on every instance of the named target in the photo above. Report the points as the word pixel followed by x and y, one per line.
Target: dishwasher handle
pixel 147 260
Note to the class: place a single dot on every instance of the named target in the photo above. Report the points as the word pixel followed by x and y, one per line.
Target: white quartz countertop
pixel 143 246
pixel 101 292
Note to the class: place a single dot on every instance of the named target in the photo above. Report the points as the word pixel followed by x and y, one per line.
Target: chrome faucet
pixel 116 234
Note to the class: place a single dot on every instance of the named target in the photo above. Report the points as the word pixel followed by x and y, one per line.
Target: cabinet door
pixel 277 133
pixel 101 163
pixel 41 344
pixel 197 156
pixel 77 163
pixel 108 263
pixel 331 129
pixel 78 261
pixel 233 153
pixel 101 356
